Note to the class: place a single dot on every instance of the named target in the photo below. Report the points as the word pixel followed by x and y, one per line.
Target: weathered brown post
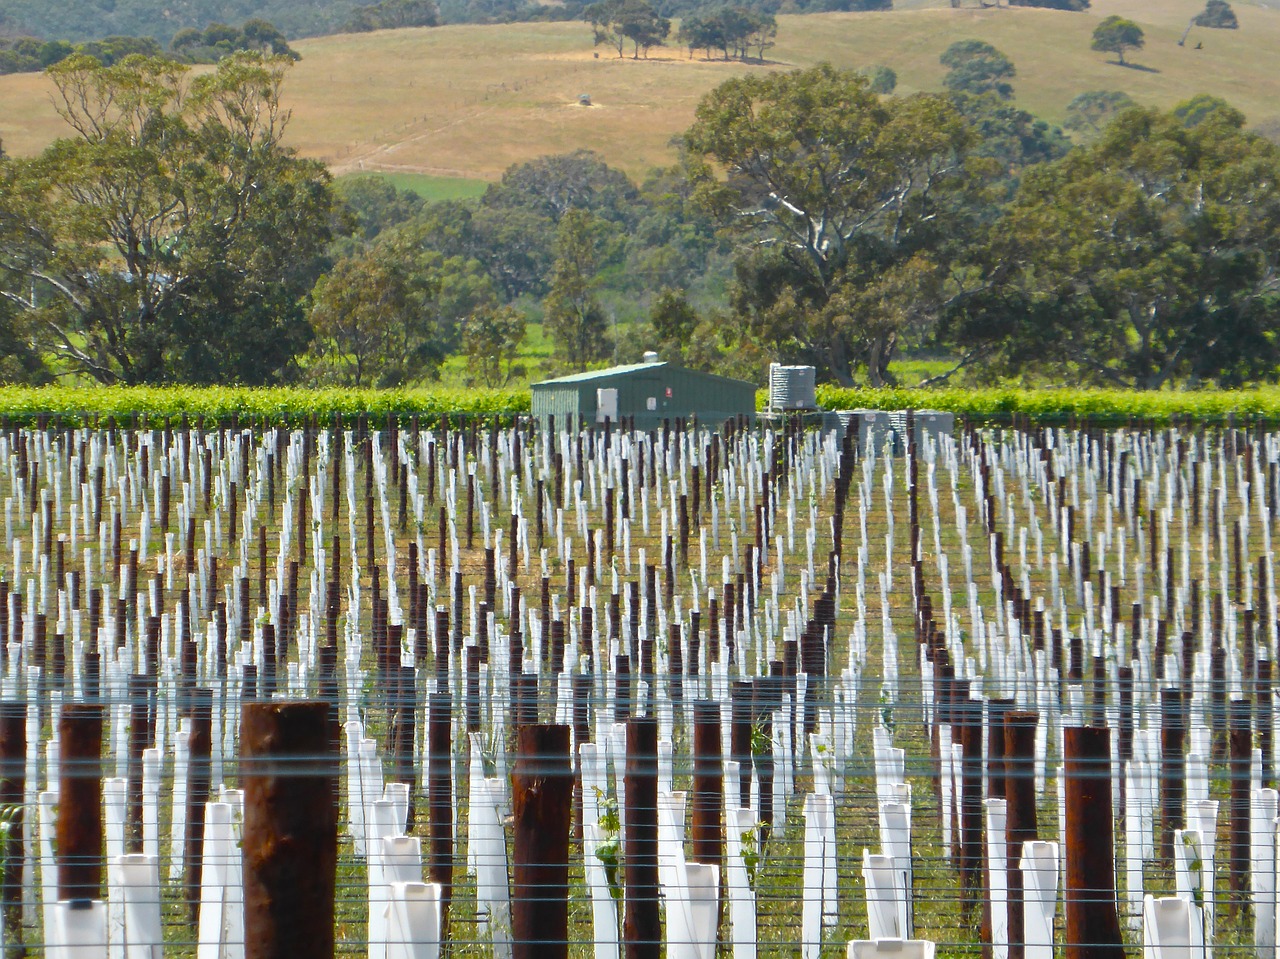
pixel 641 927
pixel 440 800
pixel 1173 766
pixel 1020 814
pixel 79 828
pixel 1240 853
pixel 707 831
pixel 1093 925
pixel 139 730
pixel 198 776
pixel 541 801
pixel 740 735
pixel 13 774
pixel 290 845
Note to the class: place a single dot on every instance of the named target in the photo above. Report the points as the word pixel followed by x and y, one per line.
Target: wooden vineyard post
pixel 139 736
pixel 1240 733
pixel 1020 814
pixel 641 927
pixel 440 800
pixel 708 784
pixel 79 829
pixel 1173 767
pixel 290 844
pixel 971 832
pixel 13 752
pixel 707 832
pixel 198 774
pixel 541 802
pixel 1093 925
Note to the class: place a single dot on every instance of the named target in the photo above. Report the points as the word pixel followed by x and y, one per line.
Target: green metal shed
pixel 650 392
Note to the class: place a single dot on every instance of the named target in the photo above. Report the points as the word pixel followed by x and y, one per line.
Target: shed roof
pixel 629 368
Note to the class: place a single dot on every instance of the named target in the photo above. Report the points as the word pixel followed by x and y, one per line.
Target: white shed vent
pixel 792 387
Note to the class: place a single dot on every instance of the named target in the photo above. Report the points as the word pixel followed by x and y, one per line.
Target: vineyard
pixel 285 676
pixel 232 407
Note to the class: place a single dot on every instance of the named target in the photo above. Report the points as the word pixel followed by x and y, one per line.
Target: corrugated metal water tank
pixel 931 423
pixel 792 387
pixel 878 429
pixel 870 428
pixel 935 424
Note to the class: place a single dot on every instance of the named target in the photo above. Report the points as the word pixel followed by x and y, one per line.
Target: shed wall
pixel 650 395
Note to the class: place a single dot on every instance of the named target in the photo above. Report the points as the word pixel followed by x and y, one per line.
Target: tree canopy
pixel 618 22
pixel 1217 15
pixel 1115 35
pixel 976 67
pixel 1147 258
pixel 842 201
pixel 1090 112
pixel 734 31
pixel 171 235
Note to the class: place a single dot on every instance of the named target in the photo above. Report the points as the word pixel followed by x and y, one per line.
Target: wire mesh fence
pixel 749 691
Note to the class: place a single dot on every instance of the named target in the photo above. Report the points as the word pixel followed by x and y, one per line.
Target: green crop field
pixel 433 188
pixel 469 101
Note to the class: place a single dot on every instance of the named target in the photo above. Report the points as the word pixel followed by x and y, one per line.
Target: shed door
pixel 607 405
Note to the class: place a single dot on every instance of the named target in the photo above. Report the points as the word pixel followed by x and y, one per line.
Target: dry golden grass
pixel 471 100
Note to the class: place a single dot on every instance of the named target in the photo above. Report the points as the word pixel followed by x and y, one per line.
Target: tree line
pixel 189 45
pixel 812 217
pixel 80 20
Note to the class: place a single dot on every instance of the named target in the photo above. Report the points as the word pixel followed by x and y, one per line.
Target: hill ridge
pixel 471 100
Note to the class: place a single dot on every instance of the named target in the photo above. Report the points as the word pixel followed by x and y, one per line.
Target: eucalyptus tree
pixel 170 235
pixel 848 208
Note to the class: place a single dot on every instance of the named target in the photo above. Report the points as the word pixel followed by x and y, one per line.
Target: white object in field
pixel 1262 876
pixel 151 759
pixel 80 930
pixel 607 404
pixel 820 855
pixel 398 795
pixel 593 784
pixel 889 762
pixel 413 919
pixel 113 810
pixel 690 889
pixel 356 800
pixel 178 833
pixel 671 808
pixel 492 891
pixel 221 920
pixel 1203 816
pixel 885 912
pixel 370 785
pixel 604 908
pixel 380 820
pixel 1039 865
pixel 48 867
pixel 1134 823
pixel 140 892
pixel 1171 929
pixel 741 828
pixel 944 750
pixel 997 810
pixel 1189 858
pixel 895 841
pixel 703 884
pixel 891 949
pixel 393 860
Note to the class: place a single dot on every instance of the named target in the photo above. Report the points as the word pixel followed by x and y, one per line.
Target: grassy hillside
pixel 468 101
